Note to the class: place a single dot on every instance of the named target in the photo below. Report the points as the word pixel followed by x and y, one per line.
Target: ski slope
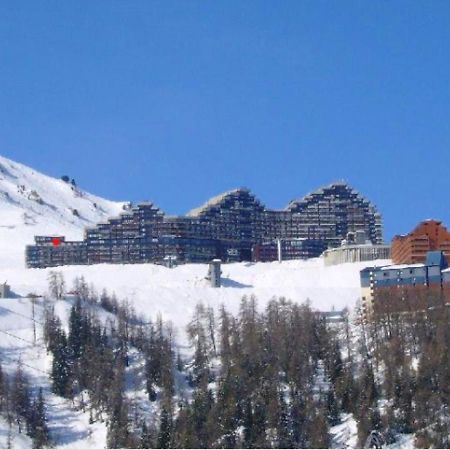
pixel 69 425
pixel 35 204
pixel 154 289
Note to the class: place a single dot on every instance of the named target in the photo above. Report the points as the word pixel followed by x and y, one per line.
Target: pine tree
pixel 180 365
pixel 182 433
pixel 318 433
pixel 61 372
pixel 76 331
pixel 332 408
pixel 283 429
pixel 198 341
pixel 248 424
pixel 298 420
pixel 165 428
pixel 56 285
pixel 118 435
pixel 259 422
pixel 146 437
pixel 20 397
pixel 40 431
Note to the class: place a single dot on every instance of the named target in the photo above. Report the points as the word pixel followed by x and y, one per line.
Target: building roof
pixel 323 190
pixel 417 227
pixel 402 266
pixel 356 246
pixel 215 201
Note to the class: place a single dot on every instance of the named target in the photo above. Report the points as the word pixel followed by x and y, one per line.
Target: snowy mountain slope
pixel 174 292
pixel 34 204
pixel 69 426
pixel 70 423
pixel 12 438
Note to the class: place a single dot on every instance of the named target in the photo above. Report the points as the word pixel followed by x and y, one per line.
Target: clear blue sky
pixel 178 101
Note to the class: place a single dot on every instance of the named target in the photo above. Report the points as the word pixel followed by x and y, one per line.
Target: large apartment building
pixel 234 226
pixel 412 248
pixel 405 287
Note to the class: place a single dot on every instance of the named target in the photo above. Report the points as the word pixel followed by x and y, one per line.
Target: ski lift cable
pixel 21 315
pixel 16 337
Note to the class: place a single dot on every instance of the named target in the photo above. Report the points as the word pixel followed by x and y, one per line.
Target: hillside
pixel 154 289
pixel 35 204
pixel 69 426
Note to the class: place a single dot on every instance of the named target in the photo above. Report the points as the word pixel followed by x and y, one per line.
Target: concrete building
pixel 215 273
pixel 356 248
pixel 429 235
pixel 402 280
pixel 356 253
pixel 234 226
pixel 287 249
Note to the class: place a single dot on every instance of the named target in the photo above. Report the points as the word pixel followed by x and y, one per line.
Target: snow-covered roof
pixel 321 191
pixel 214 201
pixel 402 266
pixel 356 246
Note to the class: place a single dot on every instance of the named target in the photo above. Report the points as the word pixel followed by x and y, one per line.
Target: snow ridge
pixel 35 204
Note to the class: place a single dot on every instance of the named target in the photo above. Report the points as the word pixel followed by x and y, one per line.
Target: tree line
pixel 278 377
pixel 22 409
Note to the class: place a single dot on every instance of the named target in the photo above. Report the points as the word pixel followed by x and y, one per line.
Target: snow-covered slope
pixel 34 204
pixel 174 292
pixel 69 425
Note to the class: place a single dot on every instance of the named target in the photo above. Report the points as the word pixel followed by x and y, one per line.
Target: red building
pixel 412 248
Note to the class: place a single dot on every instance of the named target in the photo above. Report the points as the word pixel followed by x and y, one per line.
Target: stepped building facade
pixel 429 235
pixel 234 226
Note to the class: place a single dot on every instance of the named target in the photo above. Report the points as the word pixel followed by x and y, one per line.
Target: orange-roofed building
pixel 412 248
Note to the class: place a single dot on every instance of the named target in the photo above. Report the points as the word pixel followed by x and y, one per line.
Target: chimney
pixel 214 273
pixel 280 256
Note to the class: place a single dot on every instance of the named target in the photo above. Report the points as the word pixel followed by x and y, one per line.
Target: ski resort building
pixel 234 226
pixel 286 249
pixel 408 285
pixel 355 248
pixel 413 247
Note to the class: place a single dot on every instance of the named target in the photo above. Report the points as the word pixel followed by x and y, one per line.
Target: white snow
pixel 69 426
pixel 34 204
pixel 212 202
pixel 16 439
pixel 154 289
pixel 345 434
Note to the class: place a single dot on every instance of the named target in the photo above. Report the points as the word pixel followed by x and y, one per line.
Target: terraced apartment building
pixel 234 226
pixel 428 235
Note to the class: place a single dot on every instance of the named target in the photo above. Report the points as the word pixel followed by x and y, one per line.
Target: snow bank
pixel 154 289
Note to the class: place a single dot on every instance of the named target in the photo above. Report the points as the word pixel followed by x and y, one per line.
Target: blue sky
pixel 178 101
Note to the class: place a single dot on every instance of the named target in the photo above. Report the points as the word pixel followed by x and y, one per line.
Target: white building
pixel 355 249
pixel 214 273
